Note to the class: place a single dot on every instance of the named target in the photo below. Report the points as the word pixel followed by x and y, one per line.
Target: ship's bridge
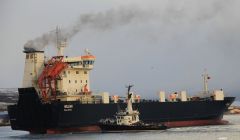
pixel 83 62
pixel 88 61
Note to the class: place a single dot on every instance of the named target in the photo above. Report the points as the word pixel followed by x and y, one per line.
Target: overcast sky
pixel 153 44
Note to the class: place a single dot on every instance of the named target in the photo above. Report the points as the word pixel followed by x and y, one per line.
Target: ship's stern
pixel 29 114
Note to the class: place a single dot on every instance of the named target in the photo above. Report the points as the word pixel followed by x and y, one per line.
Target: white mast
pixel 129 104
pixel 205 82
pixel 60 42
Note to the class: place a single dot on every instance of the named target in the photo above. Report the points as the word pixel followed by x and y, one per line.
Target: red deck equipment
pixel 48 78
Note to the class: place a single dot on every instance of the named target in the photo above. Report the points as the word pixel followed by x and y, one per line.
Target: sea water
pixel 214 132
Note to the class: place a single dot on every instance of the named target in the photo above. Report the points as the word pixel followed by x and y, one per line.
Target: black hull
pixel 109 127
pixel 30 114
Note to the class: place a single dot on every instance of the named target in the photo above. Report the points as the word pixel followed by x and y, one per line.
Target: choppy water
pixel 220 132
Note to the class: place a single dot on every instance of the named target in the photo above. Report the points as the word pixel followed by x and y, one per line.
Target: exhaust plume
pixel 98 21
pixel 171 13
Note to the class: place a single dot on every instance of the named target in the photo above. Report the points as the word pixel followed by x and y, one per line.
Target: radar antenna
pixel 87 52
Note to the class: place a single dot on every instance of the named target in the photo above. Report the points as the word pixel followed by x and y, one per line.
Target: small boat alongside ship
pixel 128 119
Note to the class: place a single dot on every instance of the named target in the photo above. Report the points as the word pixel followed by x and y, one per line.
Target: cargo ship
pixel 56 98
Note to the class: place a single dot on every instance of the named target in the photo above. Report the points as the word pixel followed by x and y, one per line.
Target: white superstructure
pixel 34 63
pixel 75 78
pixel 61 77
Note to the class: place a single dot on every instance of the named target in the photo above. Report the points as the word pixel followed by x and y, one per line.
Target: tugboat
pixel 128 119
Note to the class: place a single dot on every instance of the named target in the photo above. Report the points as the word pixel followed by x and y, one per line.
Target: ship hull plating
pixel 30 114
pixel 111 127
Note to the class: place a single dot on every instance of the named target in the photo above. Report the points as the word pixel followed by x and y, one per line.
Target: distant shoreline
pixel 232 110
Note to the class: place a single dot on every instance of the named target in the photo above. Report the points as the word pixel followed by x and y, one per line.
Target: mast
pixel 205 82
pixel 129 100
pixel 61 43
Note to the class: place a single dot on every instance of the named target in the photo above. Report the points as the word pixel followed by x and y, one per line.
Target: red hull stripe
pixel 195 123
pixel 75 129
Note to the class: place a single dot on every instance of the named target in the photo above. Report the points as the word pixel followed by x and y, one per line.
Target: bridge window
pixel 69 81
pixel 77 72
pixel 88 62
pixel 91 62
pixel 85 72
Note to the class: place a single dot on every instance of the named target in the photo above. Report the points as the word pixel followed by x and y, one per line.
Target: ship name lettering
pixel 68 106
pixel 68 109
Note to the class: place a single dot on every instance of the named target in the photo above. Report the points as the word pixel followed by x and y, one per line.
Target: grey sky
pixel 165 47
